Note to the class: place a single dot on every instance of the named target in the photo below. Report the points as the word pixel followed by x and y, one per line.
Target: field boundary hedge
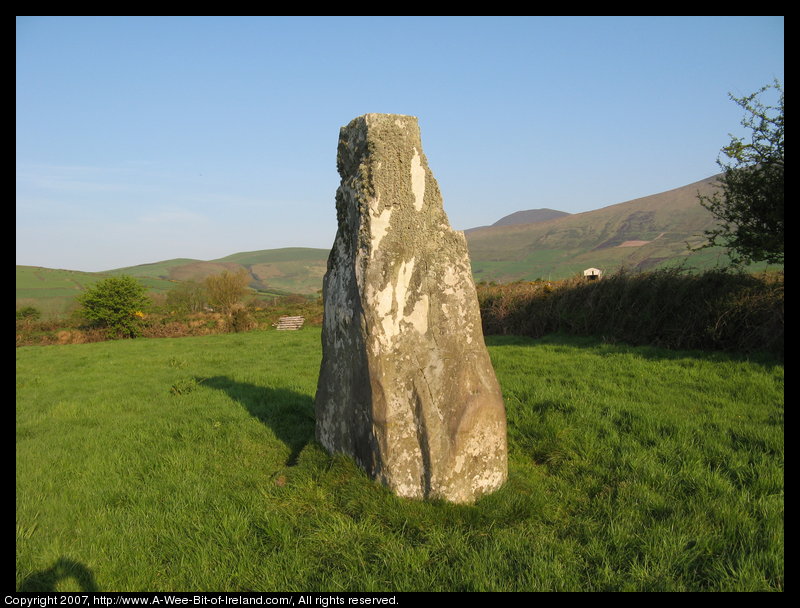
pixel 670 308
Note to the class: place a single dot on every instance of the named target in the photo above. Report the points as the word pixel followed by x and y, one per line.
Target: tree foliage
pixel 187 297
pixel 116 303
pixel 226 290
pixel 749 206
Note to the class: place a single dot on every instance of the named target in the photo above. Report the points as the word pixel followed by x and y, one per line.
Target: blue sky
pixel 141 139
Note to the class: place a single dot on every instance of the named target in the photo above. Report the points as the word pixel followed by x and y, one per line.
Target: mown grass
pixel 189 464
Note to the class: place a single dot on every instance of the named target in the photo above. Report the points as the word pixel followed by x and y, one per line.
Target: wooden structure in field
pixel 289 323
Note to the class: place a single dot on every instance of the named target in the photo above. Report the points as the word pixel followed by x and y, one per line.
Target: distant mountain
pixel 643 233
pixel 529 216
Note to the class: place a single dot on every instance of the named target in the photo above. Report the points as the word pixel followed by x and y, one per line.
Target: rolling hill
pixel 643 233
pixel 274 271
pixel 535 243
pixel 53 291
pixel 528 216
pixel 294 270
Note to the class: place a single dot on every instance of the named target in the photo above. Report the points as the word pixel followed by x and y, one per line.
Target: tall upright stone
pixel 406 386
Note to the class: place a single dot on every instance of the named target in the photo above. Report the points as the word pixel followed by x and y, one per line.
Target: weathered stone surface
pixel 406 386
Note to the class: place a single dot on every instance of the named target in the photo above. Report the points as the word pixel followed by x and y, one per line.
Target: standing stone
pixel 406 386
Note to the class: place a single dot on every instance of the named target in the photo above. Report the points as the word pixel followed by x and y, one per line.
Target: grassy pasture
pixel 53 292
pixel 189 464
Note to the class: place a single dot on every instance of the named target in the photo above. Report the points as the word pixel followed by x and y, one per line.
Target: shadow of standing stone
pixel 289 414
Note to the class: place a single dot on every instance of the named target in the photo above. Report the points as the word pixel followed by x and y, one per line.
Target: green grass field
pixel 189 464
pixel 53 292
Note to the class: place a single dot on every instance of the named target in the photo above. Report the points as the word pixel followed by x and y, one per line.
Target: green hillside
pixel 281 271
pixel 291 269
pixel 272 271
pixel 156 269
pixel 53 291
pixel 644 233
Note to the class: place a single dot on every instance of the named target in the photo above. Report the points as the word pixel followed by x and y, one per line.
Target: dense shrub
pixel 28 313
pixel 116 304
pixel 672 308
pixel 186 297
pixel 225 291
pixel 241 319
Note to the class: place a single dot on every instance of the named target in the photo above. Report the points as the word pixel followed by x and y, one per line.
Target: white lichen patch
pixel 389 304
pixel 379 226
pixel 417 180
pixel 403 281
pixel 419 315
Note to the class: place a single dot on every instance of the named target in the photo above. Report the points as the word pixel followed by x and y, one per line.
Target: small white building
pixel 592 274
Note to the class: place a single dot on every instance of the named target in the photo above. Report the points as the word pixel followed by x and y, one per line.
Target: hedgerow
pixel 671 308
